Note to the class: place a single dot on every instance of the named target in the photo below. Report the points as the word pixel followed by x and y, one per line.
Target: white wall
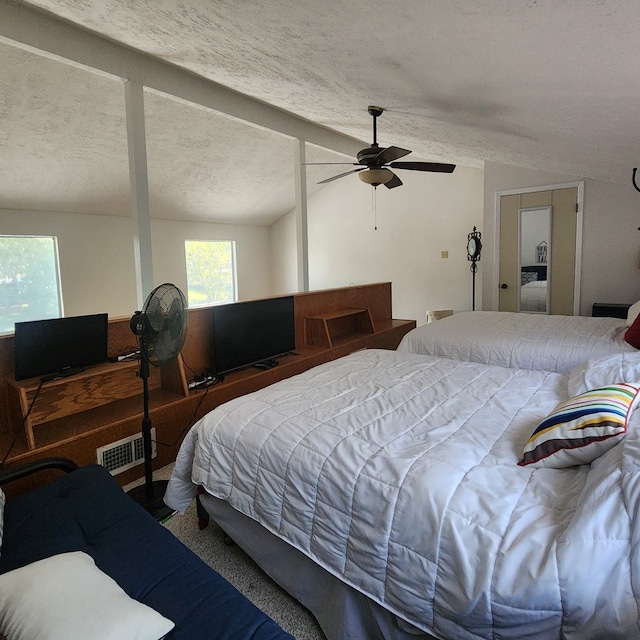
pixel 284 275
pixel 253 255
pixel 611 244
pixel 610 240
pixel 429 214
pixel 95 255
pixel 97 264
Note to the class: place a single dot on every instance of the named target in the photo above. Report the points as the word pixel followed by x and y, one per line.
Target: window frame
pixel 234 271
pixel 56 270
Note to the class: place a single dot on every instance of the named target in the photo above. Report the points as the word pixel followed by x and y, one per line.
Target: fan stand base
pixel 155 504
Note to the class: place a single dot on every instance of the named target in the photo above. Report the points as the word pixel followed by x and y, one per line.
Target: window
pixel 211 272
pixel 29 280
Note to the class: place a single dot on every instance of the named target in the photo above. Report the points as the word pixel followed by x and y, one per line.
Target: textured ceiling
pixel 64 148
pixel 545 84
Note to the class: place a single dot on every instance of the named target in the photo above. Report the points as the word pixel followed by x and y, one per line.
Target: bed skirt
pixel 342 612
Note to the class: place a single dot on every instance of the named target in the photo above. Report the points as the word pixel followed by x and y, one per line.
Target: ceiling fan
pixel 375 162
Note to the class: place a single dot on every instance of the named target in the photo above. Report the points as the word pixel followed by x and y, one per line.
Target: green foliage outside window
pixel 29 288
pixel 210 272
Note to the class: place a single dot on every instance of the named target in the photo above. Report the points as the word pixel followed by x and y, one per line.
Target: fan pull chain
pixel 374 208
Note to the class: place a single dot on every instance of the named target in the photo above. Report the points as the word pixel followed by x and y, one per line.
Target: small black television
pixel 253 331
pixel 60 346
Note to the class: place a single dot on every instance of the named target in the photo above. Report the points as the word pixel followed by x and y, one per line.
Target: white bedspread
pixel 398 473
pixel 519 340
pixel 533 296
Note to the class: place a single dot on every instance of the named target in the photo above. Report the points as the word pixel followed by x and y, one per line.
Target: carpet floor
pixel 240 570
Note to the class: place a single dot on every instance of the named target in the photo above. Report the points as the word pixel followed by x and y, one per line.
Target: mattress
pixel 519 340
pixel 398 475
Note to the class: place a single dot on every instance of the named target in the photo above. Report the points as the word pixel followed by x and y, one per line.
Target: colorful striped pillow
pixel 581 428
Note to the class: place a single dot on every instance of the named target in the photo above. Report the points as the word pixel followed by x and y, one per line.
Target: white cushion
pixel 603 371
pixel 634 311
pixel 66 597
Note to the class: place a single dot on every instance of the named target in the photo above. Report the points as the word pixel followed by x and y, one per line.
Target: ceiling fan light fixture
pixel 373 161
pixel 375 177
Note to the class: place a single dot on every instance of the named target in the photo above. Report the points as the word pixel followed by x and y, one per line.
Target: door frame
pixel 577 274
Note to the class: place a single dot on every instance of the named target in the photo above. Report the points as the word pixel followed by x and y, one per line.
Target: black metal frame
pixel 149 495
pixel 477 236
pixel 44 464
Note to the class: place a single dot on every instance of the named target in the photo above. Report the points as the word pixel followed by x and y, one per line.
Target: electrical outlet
pixel 444 254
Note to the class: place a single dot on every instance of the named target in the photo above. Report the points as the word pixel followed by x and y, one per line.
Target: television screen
pixel 246 333
pixel 59 345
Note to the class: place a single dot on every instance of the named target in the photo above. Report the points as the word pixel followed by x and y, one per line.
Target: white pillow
pixel 66 597
pixel 632 314
pixel 604 371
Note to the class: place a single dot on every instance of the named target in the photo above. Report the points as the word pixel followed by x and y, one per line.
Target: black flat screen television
pixel 59 345
pixel 250 332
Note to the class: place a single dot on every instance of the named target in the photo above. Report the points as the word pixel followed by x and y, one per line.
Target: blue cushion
pixel 88 511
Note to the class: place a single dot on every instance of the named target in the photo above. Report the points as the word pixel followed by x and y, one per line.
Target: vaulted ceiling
pixel 544 84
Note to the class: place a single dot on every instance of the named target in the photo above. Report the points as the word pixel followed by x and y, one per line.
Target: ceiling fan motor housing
pixel 368 155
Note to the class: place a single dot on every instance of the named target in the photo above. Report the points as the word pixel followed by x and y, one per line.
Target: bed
pixel 533 297
pixel 520 340
pixel 391 494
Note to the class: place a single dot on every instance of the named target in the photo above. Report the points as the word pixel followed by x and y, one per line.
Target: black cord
pixel 6 455
pixel 24 420
pixel 35 395
pixel 184 362
pixel 190 423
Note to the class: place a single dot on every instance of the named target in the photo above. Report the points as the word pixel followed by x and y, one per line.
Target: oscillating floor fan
pixel 161 328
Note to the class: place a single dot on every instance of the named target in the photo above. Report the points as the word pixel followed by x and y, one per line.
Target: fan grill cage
pixel 165 324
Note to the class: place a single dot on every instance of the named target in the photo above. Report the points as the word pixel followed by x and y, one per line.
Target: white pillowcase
pixel 604 371
pixel 632 314
pixel 65 597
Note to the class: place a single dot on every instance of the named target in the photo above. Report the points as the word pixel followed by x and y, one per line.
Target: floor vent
pixel 124 454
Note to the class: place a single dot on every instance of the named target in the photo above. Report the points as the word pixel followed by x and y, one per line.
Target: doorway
pixel 540 233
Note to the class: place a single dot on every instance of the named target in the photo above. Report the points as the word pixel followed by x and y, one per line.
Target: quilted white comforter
pixel 398 473
pixel 519 340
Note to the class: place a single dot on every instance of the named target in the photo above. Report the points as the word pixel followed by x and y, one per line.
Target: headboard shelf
pixel 74 416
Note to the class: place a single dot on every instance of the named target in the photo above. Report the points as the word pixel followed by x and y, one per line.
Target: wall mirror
pixel 534 259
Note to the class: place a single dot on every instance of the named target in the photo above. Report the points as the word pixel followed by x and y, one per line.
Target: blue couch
pixel 86 510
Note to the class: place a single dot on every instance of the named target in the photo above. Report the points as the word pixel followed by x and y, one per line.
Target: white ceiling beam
pixel 48 35
pixel 302 235
pixel 139 180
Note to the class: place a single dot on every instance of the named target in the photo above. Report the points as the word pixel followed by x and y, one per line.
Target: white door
pixel 516 262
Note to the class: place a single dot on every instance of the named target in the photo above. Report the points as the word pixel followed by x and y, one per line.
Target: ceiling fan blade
pixel 394 182
pixel 438 167
pixel 388 155
pixel 316 164
pixel 341 175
